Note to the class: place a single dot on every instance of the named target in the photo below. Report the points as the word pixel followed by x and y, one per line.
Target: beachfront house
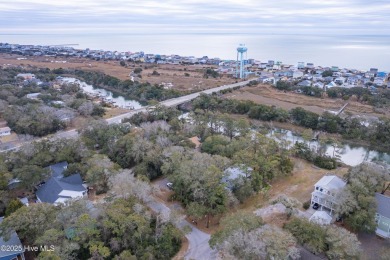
pixel 58 189
pixel 382 216
pixel 324 195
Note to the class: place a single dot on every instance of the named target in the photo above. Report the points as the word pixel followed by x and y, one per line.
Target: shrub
pixel 306 204
pixel 137 70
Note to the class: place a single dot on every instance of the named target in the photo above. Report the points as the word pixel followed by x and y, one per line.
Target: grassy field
pixel 267 95
pixel 169 73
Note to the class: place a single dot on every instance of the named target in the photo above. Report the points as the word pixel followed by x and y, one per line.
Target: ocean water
pixel 349 51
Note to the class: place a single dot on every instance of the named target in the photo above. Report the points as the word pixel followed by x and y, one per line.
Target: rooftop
pixel 14 244
pixel 331 182
pixel 383 204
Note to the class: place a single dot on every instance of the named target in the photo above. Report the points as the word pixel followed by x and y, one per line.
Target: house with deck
pixel 324 195
pixel 382 216
pixel 58 189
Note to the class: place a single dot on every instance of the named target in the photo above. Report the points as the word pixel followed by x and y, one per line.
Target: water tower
pixel 241 52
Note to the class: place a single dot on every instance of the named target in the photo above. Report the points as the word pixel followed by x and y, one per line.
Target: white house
pixel 330 85
pixel 319 85
pixel 297 74
pixel 33 95
pixel 340 80
pixel 324 195
pixel 26 76
pixel 5 131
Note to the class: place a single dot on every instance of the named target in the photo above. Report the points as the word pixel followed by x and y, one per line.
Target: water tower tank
pixel 241 51
pixel 242 48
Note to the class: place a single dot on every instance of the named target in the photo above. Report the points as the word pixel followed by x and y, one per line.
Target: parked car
pixel 170 185
pixel 316 206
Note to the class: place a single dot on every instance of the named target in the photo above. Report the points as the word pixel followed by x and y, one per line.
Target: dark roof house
pixel 13 248
pixel 59 189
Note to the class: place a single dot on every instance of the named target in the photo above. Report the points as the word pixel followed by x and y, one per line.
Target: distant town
pixel 120 155
pixel 303 74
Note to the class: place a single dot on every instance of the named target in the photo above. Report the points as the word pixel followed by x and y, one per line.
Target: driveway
pixel 198 240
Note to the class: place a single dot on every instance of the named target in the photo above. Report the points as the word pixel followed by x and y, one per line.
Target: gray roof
pixel 57 169
pixel 14 242
pixel 50 191
pixel 331 182
pixel 383 204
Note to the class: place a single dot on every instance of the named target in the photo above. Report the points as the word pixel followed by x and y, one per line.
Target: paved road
pixel 198 240
pixel 118 119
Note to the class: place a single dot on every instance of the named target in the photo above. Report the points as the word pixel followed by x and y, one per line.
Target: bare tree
pixel 86 108
pixel 125 185
pixel 342 244
pixel 267 242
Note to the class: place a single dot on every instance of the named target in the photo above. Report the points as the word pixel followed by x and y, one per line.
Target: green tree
pixel 308 234
pixel 29 222
pixel 357 202
pixel 327 73
pixel 12 206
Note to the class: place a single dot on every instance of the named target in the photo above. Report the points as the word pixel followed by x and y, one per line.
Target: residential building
pixel 5 131
pixel 319 85
pixel 330 85
pixel 297 74
pixel 340 80
pixel 301 65
pixel 374 70
pixel 382 74
pixel 58 188
pixel 379 81
pixel 26 76
pixel 324 194
pixel 382 216
pixel 310 65
pixel 11 249
pixel 305 83
pixel 33 95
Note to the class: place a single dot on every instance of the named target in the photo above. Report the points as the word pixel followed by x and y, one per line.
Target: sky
pixel 195 16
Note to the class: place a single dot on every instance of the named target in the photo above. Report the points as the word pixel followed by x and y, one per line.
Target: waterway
pixel 349 154
pixel 107 95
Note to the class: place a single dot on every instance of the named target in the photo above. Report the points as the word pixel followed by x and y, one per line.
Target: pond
pixel 106 95
pixel 347 153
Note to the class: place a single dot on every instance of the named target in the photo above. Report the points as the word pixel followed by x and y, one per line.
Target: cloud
pixel 234 16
